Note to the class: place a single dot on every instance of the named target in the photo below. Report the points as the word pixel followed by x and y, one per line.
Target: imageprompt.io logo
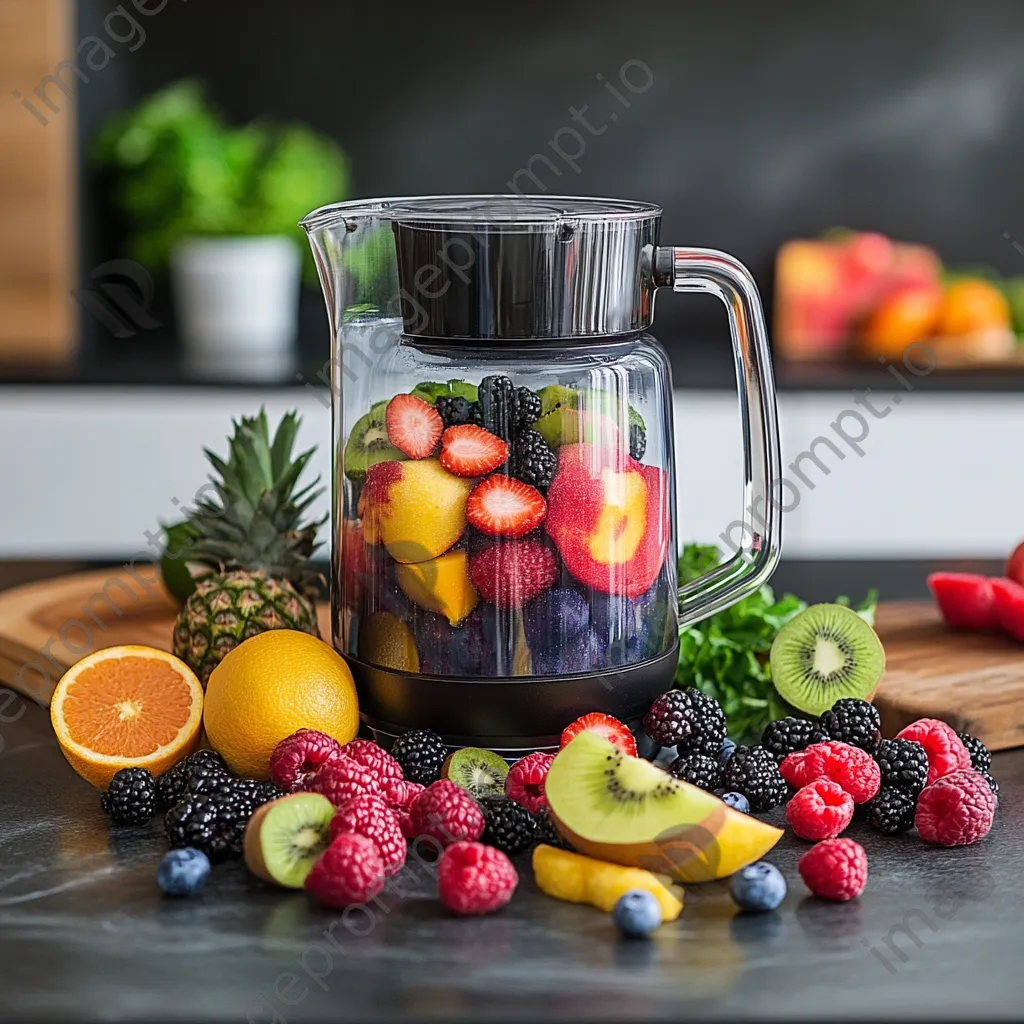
pixel 119 297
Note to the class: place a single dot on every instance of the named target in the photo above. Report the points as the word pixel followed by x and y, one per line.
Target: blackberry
pixel 533 461
pixel 547 833
pixel 754 772
pixel 421 754
pixel 855 722
pixel 509 827
pixel 131 798
pixel 786 735
pixel 637 441
pixel 992 784
pixel 204 778
pixel 697 769
pixel 687 719
pixel 495 408
pixel 455 411
pixel 173 783
pixel 904 765
pixel 981 756
pixel 892 811
pixel 211 822
pixel 527 407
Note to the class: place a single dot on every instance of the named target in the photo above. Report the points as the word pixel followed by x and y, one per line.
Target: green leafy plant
pixel 176 170
pixel 726 654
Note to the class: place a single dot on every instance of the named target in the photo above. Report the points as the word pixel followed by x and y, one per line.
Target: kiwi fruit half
pixel 284 838
pixel 368 444
pixel 480 772
pixel 826 652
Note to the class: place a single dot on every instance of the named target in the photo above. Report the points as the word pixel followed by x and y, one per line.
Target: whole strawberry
pixel 350 870
pixel 300 756
pixel 370 816
pixel 956 810
pixel 475 879
pixel 446 813
pixel 340 780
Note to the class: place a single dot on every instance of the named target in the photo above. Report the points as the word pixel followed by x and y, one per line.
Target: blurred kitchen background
pixel 804 138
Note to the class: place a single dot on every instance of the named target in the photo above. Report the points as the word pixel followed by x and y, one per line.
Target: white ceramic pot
pixel 237 303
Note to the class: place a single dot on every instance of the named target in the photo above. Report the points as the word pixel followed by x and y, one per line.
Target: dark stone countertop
pixel 85 935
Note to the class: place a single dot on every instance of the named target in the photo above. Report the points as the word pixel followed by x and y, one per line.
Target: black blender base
pixel 511 716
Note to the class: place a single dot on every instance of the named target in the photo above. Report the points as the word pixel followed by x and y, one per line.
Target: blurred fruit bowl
pixel 861 295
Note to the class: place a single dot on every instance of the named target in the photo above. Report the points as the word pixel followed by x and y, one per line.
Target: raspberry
pixel 350 870
pixel 525 781
pixel 475 879
pixel 375 759
pixel 835 869
pixel 854 769
pixel 956 810
pixel 946 751
pixel 399 795
pixel 298 757
pixel 821 810
pixel 446 812
pixel 340 780
pixel 370 816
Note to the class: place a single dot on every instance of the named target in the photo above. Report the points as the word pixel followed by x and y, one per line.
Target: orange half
pixel 126 707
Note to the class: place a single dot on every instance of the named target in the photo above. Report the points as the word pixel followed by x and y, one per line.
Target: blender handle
pixel 718 273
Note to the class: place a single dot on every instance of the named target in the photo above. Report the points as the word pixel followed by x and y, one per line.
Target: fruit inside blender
pixel 491 530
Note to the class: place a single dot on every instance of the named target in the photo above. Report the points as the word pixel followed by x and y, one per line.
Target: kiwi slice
pixel 824 653
pixel 284 838
pixel 368 444
pixel 557 396
pixel 430 391
pixel 480 772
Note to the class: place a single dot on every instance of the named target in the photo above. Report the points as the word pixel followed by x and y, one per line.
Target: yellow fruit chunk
pixel 623 518
pixel 126 707
pixel 577 879
pixel 386 641
pixel 417 510
pixel 624 809
pixel 441 585
pixel 270 686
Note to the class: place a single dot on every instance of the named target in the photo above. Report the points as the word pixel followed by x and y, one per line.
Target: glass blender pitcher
pixel 505 541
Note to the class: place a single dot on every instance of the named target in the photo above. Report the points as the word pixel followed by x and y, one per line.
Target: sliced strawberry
pixel 1008 602
pixel 512 572
pixel 965 600
pixel 604 725
pixel 502 507
pixel 470 450
pixel 414 426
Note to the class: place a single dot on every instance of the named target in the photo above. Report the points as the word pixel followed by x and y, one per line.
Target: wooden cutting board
pixel 973 681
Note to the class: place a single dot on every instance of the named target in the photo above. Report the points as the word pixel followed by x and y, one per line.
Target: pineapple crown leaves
pixel 255 521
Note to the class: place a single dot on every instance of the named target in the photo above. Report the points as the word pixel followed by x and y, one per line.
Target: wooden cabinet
pixel 37 202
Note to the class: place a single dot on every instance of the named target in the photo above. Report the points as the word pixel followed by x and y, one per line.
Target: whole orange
pixel 269 687
pixel 907 315
pixel 973 304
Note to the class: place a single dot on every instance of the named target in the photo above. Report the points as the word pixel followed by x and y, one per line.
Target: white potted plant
pixel 217 207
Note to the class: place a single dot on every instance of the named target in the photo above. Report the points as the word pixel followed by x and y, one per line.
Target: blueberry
pixel 728 749
pixel 758 887
pixel 636 914
pixel 554 618
pixel 576 655
pixel 183 872
pixel 737 801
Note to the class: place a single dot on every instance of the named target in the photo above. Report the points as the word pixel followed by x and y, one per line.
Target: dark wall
pixel 763 120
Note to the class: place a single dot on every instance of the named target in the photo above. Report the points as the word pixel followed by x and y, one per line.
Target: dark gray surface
pixel 85 935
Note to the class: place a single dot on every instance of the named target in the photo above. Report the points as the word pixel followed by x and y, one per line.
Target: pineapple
pixel 251 539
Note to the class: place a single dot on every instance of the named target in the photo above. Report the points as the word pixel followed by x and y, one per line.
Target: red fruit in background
pixel 350 870
pixel 605 726
pixel 820 810
pixel 525 781
pixel 510 573
pixel 470 450
pixel 341 779
pixel 609 518
pixel 355 569
pixel 297 758
pixel 374 758
pixel 475 879
pixel 1008 606
pixel 946 751
pixel 503 506
pixel 965 599
pixel 370 816
pixel 1015 565
pixel 956 810
pixel 414 426
pixel 835 869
